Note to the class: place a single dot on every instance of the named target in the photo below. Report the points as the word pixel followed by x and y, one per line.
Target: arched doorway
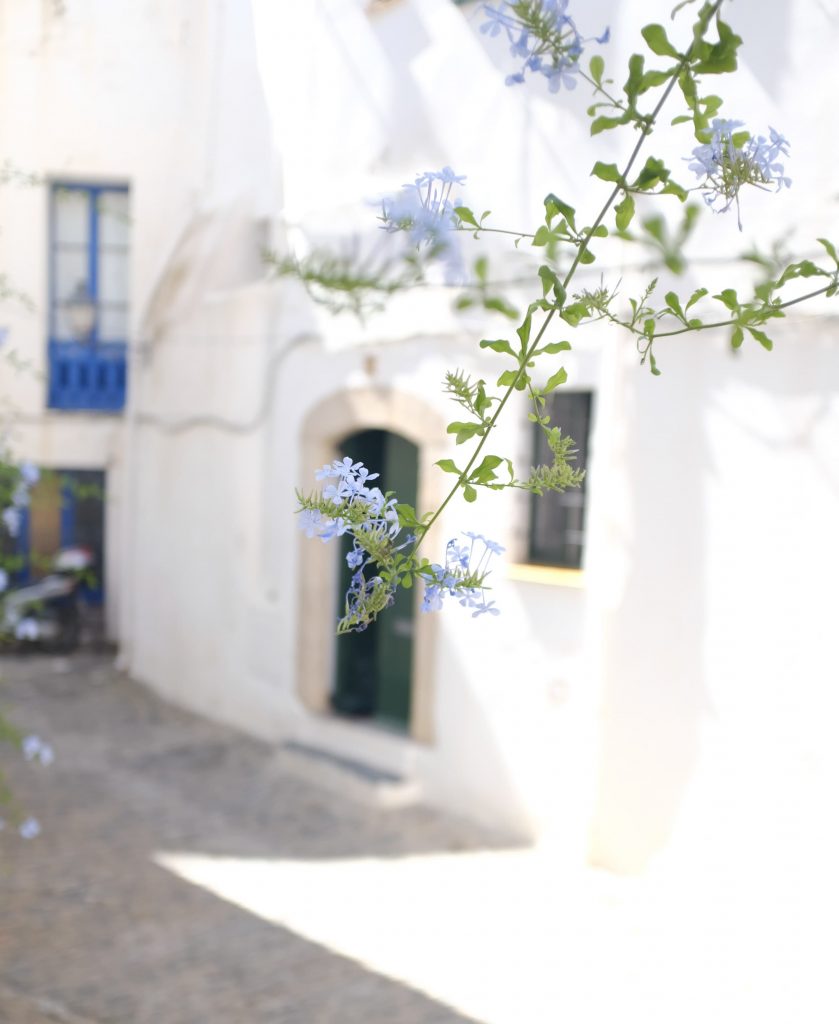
pixel 373 668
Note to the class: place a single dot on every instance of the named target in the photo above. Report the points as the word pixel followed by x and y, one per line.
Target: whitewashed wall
pixel 640 691
pixel 695 658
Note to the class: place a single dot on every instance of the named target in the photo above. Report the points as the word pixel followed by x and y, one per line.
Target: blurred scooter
pixel 47 614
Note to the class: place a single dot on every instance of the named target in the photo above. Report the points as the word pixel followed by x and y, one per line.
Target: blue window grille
pixel 88 315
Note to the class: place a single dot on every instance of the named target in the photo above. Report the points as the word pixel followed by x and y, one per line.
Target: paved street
pixel 94 930
pixel 186 875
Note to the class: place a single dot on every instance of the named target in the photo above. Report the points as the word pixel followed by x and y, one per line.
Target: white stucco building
pixel 680 682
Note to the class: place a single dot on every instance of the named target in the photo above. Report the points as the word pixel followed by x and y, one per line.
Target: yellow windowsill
pixel 550 575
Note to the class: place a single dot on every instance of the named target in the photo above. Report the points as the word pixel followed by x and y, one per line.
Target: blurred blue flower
pixel 29 829
pixel 34 748
pixel 543 36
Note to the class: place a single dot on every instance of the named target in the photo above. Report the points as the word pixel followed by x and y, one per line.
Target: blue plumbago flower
pixel 355 558
pixel 425 211
pixel 20 495
pixel 460 579
pixel 732 158
pixel 330 528
pixel 35 749
pixel 310 522
pixel 30 474
pixel 364 600
pixel 29 829
pixel 11 520
pixel 543 36
pixel 349 505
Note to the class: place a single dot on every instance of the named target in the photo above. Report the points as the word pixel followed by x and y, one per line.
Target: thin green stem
pixel 733 322
pixel 494 231
pixel 464 476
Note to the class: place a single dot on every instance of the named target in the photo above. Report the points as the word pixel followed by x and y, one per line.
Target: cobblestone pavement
pixel 92 931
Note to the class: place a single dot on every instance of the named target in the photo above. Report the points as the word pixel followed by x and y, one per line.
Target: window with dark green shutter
pixel 557 521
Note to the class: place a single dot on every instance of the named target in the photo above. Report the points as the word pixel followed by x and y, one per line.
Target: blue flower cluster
pixel 351 506
pixel 460 579
pixel 355 503
pixel 425 211
pixel 543 36
pixel 731 159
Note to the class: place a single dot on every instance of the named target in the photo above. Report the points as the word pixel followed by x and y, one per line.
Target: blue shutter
pixel 87 374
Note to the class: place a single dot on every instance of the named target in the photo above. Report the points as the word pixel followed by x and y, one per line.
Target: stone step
pixel 345 776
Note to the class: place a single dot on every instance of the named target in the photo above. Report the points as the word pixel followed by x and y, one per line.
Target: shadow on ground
pixel 91 925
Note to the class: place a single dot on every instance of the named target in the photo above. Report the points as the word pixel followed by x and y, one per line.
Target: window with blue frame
pixel 88 317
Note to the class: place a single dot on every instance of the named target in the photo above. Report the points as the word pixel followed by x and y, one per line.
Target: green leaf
pixel 464 431
pixel 407 515
pixel 655 226
pixel 721 57
pixel 554 206
pixel 469 492
pixel 607 172
pixel 482 402
pixel 653 78
pixel 673 188
pixel 508 378
pixel 806 268
pixel 632 86
pixel 654 370
pixel 560 377
pixel 574 313
pixel 485 472
pixel 831 249
pixel 697 295
pixel 524 330
pixel 501 345
pixel 728 297
pixel 596 67
pixel 602 124
pixel 464 302
pixel 653 171
pixel 553 347
pixel 499 305
pixel 549 279
pixel 656 38
pixel 447 466
pixel 737 337
pixel 481 267
pixel 764 339
pixel 624 212
pixel 672 300
pixel 466 215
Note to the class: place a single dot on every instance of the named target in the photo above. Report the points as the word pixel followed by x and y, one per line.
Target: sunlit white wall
pixel 692 660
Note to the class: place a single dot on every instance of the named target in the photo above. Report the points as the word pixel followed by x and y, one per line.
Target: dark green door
pixel 373 668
